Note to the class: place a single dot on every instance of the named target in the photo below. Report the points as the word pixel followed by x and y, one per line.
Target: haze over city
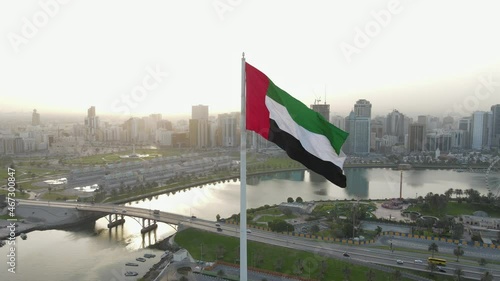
pixel 134 59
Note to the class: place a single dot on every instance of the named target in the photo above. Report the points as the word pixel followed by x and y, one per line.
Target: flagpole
pixel 243 177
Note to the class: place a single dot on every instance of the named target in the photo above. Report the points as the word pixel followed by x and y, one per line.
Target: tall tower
pixel 358 124
pixel 91 124
pixel 199 126
pixel 35 118
pixel 363 108
pixel 495 126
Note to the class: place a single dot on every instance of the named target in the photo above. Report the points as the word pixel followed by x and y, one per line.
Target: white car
pixel 418 261
pixel 399 262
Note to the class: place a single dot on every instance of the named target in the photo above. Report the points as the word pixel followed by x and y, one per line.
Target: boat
pixel 149 256
pixel 23 236
pixel 140 259
pixel 131 273
pixel 131 264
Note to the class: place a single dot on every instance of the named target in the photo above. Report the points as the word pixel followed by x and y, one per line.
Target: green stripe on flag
pixel 307 118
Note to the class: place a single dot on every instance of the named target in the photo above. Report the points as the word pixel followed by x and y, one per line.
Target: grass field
pixel 456 209
pixel 205 246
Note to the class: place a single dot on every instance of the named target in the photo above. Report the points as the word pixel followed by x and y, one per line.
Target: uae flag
pixel 302 132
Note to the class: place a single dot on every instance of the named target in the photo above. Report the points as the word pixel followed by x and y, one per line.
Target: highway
pixel 357 254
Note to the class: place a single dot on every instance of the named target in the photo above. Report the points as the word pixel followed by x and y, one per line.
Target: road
pixel 358 254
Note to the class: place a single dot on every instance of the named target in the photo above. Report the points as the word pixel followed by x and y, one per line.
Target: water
pixel 95 253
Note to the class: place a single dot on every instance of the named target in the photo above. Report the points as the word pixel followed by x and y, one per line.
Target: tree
pixel 483 262
pixel 458 252
pixel 433 248
pixel 378 230
pixel 289 200
pixel 448 193
pixel 315 229
pixel 299 200
pixel 459 274
pixel 217 217
pixel 487 276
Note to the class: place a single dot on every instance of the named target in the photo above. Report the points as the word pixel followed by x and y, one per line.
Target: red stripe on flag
pixel 257 114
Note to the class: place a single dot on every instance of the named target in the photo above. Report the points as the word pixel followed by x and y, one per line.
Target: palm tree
pixel 459 274
pixel 433 248
pixel 458 192
pixel 458 252
pixel 487 276
pixel 378 230
pixel 448 193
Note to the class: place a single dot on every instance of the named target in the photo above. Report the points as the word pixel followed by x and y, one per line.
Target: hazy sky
pixel 142 57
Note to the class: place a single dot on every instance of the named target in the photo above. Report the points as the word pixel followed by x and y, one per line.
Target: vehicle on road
pixel 219 229
pixel 131 273
pixel 124 211
pixel 345 254
pixel 399 262
pixel 441 269
pixel 217 224
pixel 156 212
pixel 437 261
pixel 140 259
pixel 418 261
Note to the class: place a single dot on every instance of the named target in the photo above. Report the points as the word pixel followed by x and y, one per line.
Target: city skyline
pixel 174 55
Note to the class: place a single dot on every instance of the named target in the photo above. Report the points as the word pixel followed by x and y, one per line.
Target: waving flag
pixel 302 132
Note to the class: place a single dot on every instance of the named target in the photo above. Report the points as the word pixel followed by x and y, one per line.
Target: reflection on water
pixel 92 252
pixel 357 183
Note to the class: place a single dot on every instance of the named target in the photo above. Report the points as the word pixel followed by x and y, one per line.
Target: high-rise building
pixel 199 126
pixel 358 141
pixel 480 130
pixel 495 126
pixel 323 109
pixel 227 135
pixel 198 133
pixel 35 118
pixel 395 125
pixel 465 125
pixel 363 108
pixel 338 121
pixel 416 138
pixel 199 112
pixel 91 124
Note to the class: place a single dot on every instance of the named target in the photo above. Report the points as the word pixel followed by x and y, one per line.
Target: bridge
pixel 114 213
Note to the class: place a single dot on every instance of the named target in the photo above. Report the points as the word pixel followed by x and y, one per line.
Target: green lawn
pixel 207 244
pixel 456 209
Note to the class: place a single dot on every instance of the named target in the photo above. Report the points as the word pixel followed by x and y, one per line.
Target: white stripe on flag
pixel 316 144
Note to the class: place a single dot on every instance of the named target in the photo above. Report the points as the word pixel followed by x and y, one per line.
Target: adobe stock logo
pixel 223 6
pixel 483 91
pixel 363 37
pixel 30 28
pixel 150 82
